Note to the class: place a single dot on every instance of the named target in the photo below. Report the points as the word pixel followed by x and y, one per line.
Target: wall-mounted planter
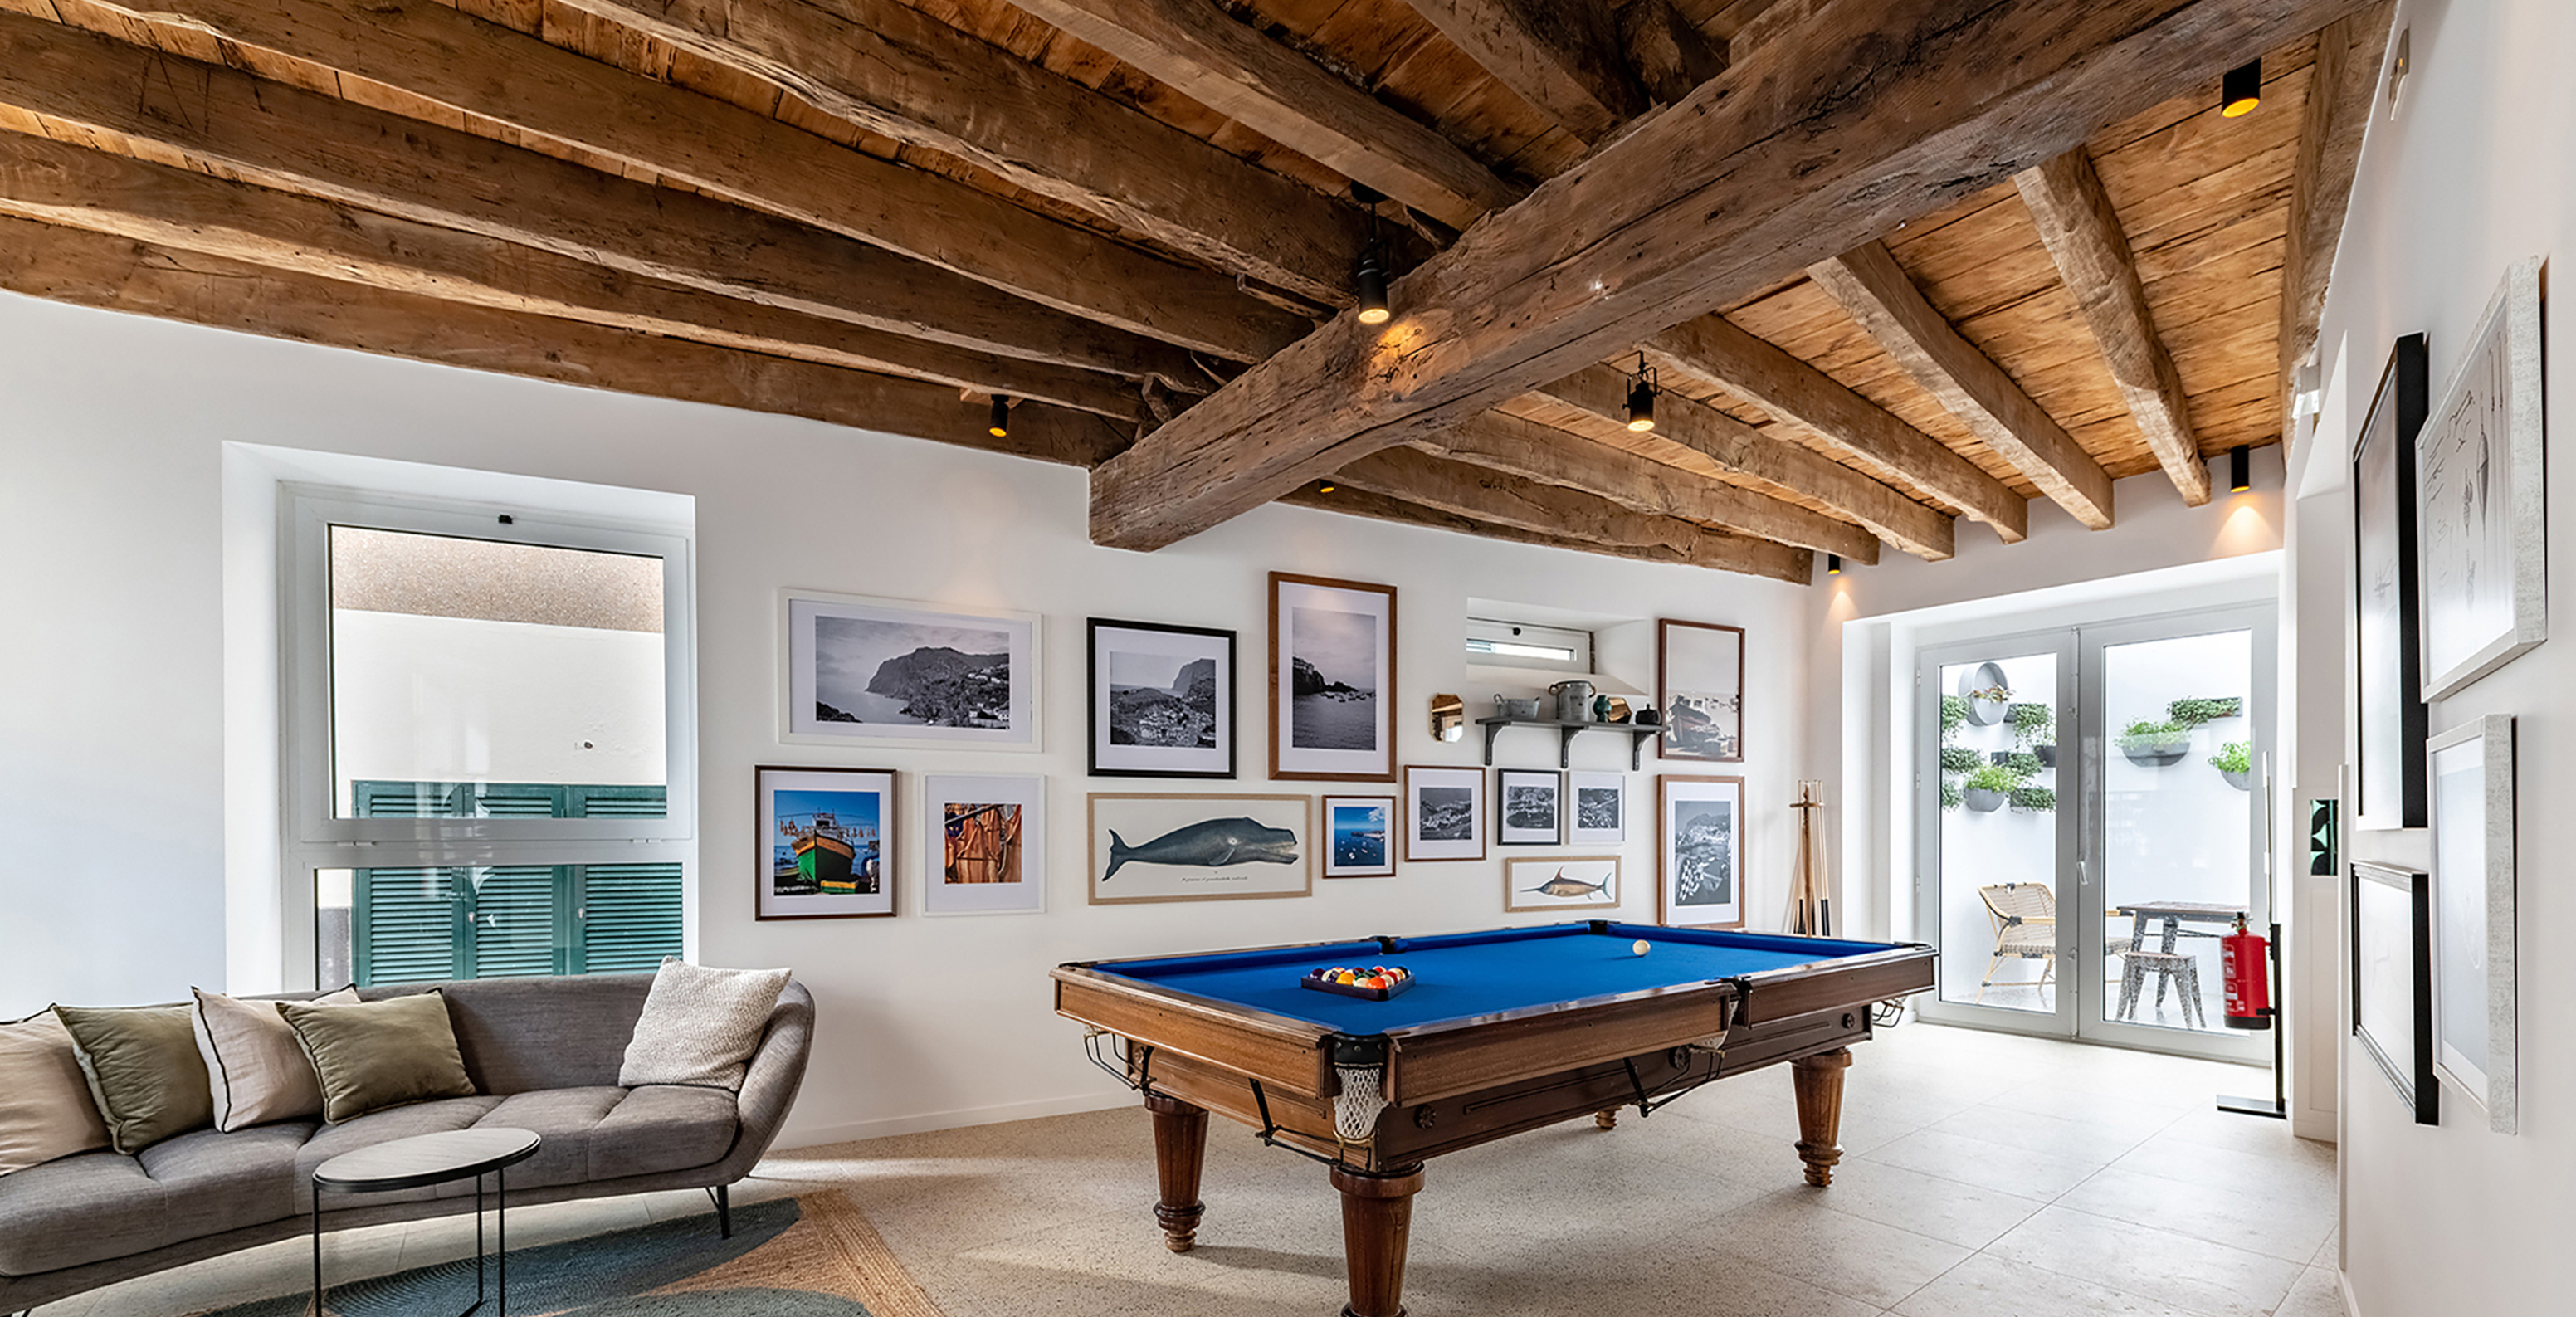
pixel 2241 780
pixel 1986 676
pixel 1984 801
pixel 2047 755
pixel 2157 754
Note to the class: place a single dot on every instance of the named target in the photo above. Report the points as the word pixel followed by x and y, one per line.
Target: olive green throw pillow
pixel 143 1071
pixel 379 1054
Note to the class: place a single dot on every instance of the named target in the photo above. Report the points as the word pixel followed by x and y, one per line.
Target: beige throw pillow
pixel 379 1054
pixel 143 1070
pixel 45 1108
pixel 700 1025
pixel 253 1066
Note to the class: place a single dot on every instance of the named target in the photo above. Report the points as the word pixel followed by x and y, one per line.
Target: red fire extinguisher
pixel 2243 962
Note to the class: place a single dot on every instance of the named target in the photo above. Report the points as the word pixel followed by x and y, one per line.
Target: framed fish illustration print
pixel 1561 882
pixel 826 843
pixel 1199 848
pixel 1699 845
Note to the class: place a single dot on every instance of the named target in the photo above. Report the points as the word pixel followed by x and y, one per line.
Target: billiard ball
pixel 1641 946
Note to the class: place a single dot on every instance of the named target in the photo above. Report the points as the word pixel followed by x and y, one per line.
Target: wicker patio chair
pixel 2025 918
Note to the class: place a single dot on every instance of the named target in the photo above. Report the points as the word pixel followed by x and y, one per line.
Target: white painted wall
pixel 113 654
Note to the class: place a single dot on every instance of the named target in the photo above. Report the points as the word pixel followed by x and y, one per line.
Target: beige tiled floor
pixel 1984 1176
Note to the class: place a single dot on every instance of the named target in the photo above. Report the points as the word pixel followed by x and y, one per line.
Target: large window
pixel 488 762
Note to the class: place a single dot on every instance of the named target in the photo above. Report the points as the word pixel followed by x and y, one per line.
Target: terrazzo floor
pixel 1984 1175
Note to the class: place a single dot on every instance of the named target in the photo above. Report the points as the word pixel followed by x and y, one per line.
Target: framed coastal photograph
pixel 1700 850
pixel 1444 814
pixel 1199 848
pixel 2392 982
pixel 889 672
pixel 1530 807
pixel 2387 788
pixel 990 837
pixel 1597 808
pixel 2475 1012
pixel 1579 882
pixel 1162 700
pixel 1360 832
pixel 2481 507
pixel 1699 687
pixel 825 838
pixel 1332 680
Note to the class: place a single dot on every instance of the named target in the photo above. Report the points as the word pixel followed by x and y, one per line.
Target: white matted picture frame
pixel 1699 848
pixel 1332 680
pixel 2482 499
pixel 1359 835
pixel 1444 813
pixel 1560 882
pixel 1147 848
pixel 1596 809
pixel 1529 807
pixel 986 849
pixel 2475 1012
pixel 826 842
pixel 859 669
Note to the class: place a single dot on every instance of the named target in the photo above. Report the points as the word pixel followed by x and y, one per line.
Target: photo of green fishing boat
pixel 827 844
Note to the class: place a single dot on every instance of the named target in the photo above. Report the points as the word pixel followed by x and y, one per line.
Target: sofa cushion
pixel 380 1054
pixel 256 1069
pixel 143 1071
pixel 104 1205
pixel 663 1129
pixel 380 1127
pixel 701 1025
pixel 45 1107
pixel 520 1035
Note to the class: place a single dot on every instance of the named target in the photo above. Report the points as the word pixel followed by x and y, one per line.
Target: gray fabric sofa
pixel 544 1056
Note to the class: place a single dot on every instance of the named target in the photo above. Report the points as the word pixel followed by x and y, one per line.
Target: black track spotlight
pixel 1000 425
pixel 2240 469
pixel 1371 275
pixel 1833 564
pixel 2242 90
pixel 1641 397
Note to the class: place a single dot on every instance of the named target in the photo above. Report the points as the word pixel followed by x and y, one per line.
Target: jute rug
pixel 815 1256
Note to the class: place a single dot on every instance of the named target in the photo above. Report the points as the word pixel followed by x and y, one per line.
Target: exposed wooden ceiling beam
pixel 2341 92
pixel 1669 56
pixel 1715 550
pixel 184 210
pixel 2083 235
pixel 1881 111
pixel 117 274
pixel 1883 299
pixel 82 87
pixel 1564 57
pixel 465 63
pixel 901 73
pixel 1204 53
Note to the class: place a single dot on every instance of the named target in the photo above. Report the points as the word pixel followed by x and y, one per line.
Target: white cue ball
pixel 1640 946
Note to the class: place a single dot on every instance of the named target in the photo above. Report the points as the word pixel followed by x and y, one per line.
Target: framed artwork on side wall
pixel 1529 807
pixel 988 848
pixel 2482 498
pixel 1700 850
pixel 2475 1011
pixel 1332 680
pixel 2387 787
pixel 1699 687
pixel 1162 700
pixel 888 672
pixel 1200 848
pixel 1359 832
pixel 1444 814
pixel 2392 981
pixel 1573 882
pixel 826 843
pixel 1596 808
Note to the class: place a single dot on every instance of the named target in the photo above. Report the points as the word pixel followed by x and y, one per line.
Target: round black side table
pixel 427 1159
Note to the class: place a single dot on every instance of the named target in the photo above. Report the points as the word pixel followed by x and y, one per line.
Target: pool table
pixel 1501 1032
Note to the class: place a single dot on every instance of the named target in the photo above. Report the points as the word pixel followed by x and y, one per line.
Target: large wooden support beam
pixel 1204 53
pixel 1714 550
pixel 461 62
pixel 1564 57
pixel 2083 235
pixel 184 210
pixel 1879 112
pixel 2341 92
pixel 1882 297
pixel 1670 56
pixel 1717 353
pixel 899 72
pixel 117 274
pixel 84 87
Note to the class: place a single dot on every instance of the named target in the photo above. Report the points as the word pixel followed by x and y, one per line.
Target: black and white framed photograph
pixel 1162 700
pixel 1332 680
pixel 989 835
pixel 2387 788
pixel 1700 849
pixel 2392 981
pixel 1200 848
pixel 1699 687
pixel 1360 831
pixel 1444 814
pixel 888 672
pixel 826 843
pixel 2482 497
pixel 2475 1016
pixel 1597 809
pixel 1529 807
pixel 1578 882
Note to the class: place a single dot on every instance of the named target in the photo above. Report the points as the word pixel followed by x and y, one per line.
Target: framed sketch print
pixel 2387 789
pixel 1199 848
pixel 2392 982
pixel 1699 686
pixel 896 673
pixel 826 839
pixel 1700 850
pixel 1444 814
pixel 1597 808
pixel 2482 498
pixel 2474 1008
pixel 1360 834
pixel 1529 807
pixel 1162 700
pixel 1588 882
pixel 988 844
pixel 1332 680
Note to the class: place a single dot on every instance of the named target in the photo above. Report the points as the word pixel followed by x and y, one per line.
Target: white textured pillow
pixel 700 1025
pixel 257 1072
pixel 45 1107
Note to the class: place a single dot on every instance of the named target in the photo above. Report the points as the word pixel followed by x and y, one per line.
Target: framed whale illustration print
pixel 1561 882
pixel 1199 848
pixel 887 672
pixel 1332 680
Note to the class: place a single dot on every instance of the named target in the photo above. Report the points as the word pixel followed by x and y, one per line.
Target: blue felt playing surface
pixel 1462 975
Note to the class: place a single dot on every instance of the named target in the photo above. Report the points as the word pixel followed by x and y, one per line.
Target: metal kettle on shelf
pixel 1573 701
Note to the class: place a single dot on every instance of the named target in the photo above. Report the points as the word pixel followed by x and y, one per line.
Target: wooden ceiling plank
pixel 1669 56
pixel 2084 237
pixel 2340 96
pixel 1717 353
pixel 292 140
pixel 1564 57
pixel 1879 294
pixel 1712 549
pixel 481 68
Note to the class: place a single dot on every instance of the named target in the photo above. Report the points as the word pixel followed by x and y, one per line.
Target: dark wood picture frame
pixel 765 873
pixel 1229 699
pixel 1666 746
pixel 1501 806
pixel 1385 693
pixel 2387 789
pixel 2411 1073
pixel 1474 778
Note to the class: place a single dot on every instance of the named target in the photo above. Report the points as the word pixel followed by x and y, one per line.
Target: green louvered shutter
pixel 519 913
pixel 404 925
pixel 630 916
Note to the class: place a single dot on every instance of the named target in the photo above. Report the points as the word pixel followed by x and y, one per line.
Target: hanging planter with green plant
pixel 1986 704
pixel 2022 764
pixel 2034 728
pixel 1960 759
pixel 2235 762
pixel 1988 788
pixel 2155 744
pixel 2192 713
pixel 1951 795
pixel 2033 800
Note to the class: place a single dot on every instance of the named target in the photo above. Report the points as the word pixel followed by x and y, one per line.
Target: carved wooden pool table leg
pixel 1819 1081
pixel 1377 1223
pixel 1180 1150
pixel 1606 1119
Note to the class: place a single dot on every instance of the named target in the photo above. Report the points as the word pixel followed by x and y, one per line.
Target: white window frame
pixel 1503 631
